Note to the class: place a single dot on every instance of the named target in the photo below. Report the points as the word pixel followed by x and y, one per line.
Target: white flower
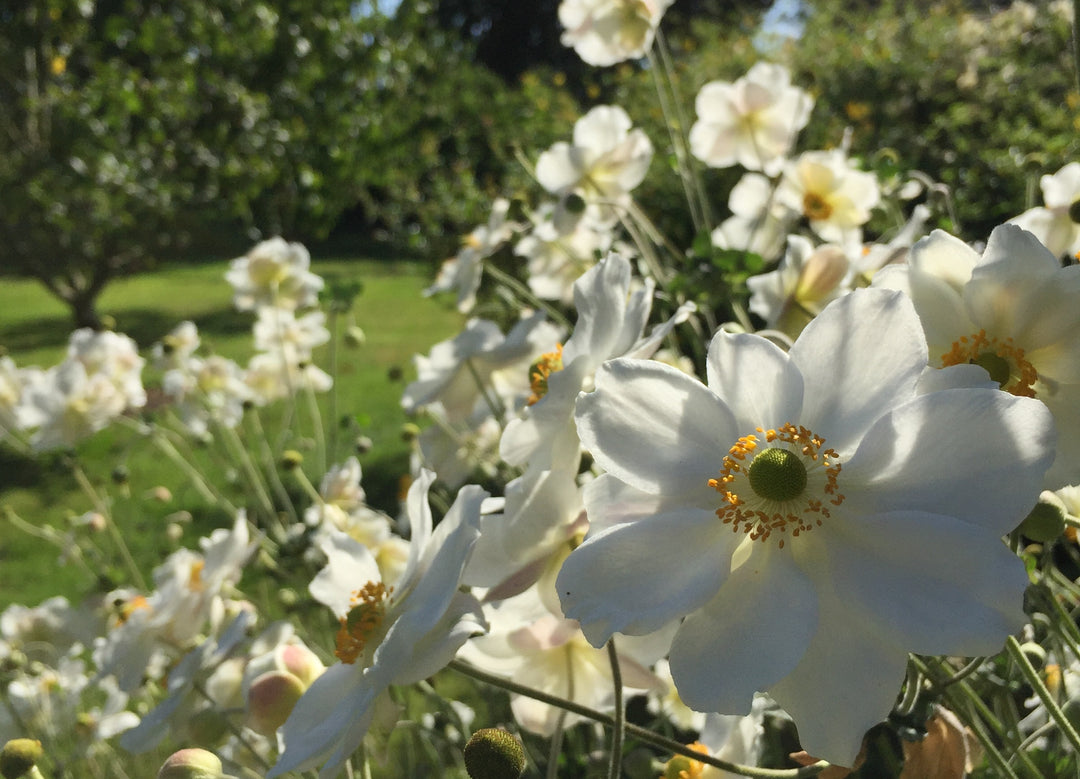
pixel 272 376
pixel 811 517
pixel 462 273
pixel 806 280
pixel 205 389
pixel 835 197
pixel 540 649
pixel 758 221
pixel 180 344
pixel 604 32
pixel 751 122
pixel 274 273
pixel 395 636
pixel 1057 223
pixel 67 405
pixel 1013 311
pixel 559 254
pixel 281 331
pixel 603 164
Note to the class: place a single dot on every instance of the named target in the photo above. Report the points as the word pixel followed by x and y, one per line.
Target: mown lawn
pixel 34 329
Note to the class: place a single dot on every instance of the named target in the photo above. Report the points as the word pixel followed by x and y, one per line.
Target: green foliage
pixel 980 102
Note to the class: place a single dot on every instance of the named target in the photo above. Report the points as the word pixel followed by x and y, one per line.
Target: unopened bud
pixel 1074 211
pixel 208 726
pixel 19 756
pixel 291 459
pixel 191 764
pixel 410 432
pixel 120 475
pixel 355 336
pixel 493 753
pixel 159 493
pixel 271 699
pixel 302 663
pixel 363 444
pixel 575 204
pixel 174 532
pixel 822 272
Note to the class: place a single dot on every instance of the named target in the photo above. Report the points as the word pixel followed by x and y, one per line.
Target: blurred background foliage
pixel 140 131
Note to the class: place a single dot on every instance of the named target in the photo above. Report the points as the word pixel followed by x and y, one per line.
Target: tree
pixel 128 124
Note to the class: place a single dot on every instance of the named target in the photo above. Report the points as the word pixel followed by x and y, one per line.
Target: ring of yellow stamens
pixel 539 372
pixel 815 207
pixel 767 493
pixel 366 612
pixel 1002 359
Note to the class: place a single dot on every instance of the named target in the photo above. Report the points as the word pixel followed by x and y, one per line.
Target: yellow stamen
pixel 746 510
pixel 539 372
pixel 366 613
pixel 683 767
pixel 815 207
pixel 983 350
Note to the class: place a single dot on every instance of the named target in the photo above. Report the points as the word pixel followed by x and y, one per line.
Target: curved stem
pixel 618 726
pixel 1032 676
pixel 637 732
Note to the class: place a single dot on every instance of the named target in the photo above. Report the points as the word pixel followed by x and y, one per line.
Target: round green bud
pixel 1045 523
pixel 355 336
pixel 778 474
pixel 493 753
pixel 18 756
pixel 410 431
pixel 575 204
pixel 1074 211
pixel 191 764
pixel 291 459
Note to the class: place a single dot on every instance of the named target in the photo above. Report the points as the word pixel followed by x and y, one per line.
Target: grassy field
pixel 34 329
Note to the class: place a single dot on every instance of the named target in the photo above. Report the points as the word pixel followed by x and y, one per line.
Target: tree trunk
pixel 84 309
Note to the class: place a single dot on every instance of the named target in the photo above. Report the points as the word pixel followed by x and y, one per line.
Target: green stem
pixel 1076 42
pixel 270 465
pixel 619 725
pixel 1032 676
pixel 526 294
pixel 637 732
pixel 560 722
pixel 110 523
pixel 317 425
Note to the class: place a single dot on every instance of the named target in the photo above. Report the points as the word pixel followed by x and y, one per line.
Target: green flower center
pixel 778 474
pixel 994 364
pixel 1074 211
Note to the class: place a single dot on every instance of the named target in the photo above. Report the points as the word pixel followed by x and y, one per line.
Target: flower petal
pixel 755 379
pixel 655 428
pixel 635 578
pixel 859 357
pixel 933 584
pixel 975 454
pixel 748 637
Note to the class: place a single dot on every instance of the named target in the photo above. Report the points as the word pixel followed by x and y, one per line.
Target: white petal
pixel 655 427
pixel 934 584
pixel 755 379
pixel 859 357
pixel 349 566
pixel 975 454
pixel 636 577
pixel 748 637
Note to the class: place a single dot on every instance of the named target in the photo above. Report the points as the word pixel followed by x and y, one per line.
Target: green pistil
pixel 1074 211
pixel 778 475
pixel 994 364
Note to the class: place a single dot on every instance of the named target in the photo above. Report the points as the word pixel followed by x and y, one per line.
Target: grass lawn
pixel 34 329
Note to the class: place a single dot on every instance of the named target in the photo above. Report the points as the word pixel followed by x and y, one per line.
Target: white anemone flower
pixel 558 255
pixel 751 122
pixel 462 272
pixel 1014 311
pixel 274 273
pixel 388 636
pixel 835 197
pixel 606 160
pixel 807 279
pixel 758 221
pixel 1057 222
pixel 810 517
pixel 605 32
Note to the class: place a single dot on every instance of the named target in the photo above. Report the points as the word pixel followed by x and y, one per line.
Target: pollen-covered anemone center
pixel 366 614
pixel 1000 358
pixel 816 208
pixel 786 489
pixel 539 372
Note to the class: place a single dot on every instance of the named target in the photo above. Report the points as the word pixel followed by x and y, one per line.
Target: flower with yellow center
pixel 834 196
pixel 1013 311
pixel 387 636
pixel 806 518
pixel 604 32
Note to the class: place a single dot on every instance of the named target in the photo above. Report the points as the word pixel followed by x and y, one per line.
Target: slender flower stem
pixel 269 464
pixel 637 732
pixel 110 523
pixel 618 726
pixel 317 425
pixel 1032 676
pixel 255 482
pixel 1076 42
pixel 493 403
pixel 560 723
pixel 526 294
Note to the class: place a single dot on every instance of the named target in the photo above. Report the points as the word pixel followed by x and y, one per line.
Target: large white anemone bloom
pixel 388 635
pixel 604 32
pixel 1013 311
pixel 1057 224
pixel 810 516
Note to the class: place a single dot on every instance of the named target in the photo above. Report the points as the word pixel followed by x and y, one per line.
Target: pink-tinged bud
pixel 302 663
pixel 160 493
pixel 19 756
pixel 822 272
pixel 271 698
pixel 191 764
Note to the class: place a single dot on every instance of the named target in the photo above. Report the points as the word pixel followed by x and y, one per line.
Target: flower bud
pixel 191 764
pixel 270 701
pixel 355 336
pixel 18 756
pixel 1045 522
pixel 822 272
pixel 493 753
pixel 410 432
pixel 291 459
pixel 302 663
pixel 363 444
pixel 208 726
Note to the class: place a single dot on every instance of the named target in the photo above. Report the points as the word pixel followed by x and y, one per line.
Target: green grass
pixel 34 329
